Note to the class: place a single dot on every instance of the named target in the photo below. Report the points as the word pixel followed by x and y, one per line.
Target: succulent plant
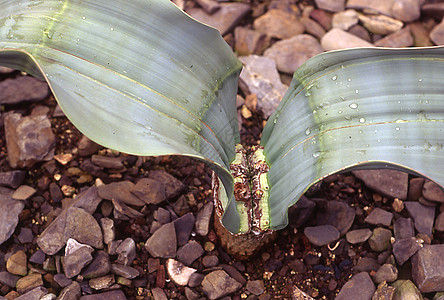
pixel 143 78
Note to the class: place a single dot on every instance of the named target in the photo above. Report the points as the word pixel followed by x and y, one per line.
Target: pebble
pixel 150 191
pixel 384 292
pixel 321 235
pixel 210 261
pixel 403 228
pixel 405 248
pixel 234 273
pixel 74 262
pixel 439 222
pixel 437 34
pixel 125 271
pixel 345 19
pixel 88 200
pixel 183 226
pixel 203 219
pixel 120 191
pixel 23 192
pixel 188 253
pixel 158 294
pixel 29 282
pixel 379 217
pixel 380 6
pixel 8 279
pixel 331 5
pixel 291 53
pixel 248 41
pixel 163 242
pixel 178 272
pixel 260 76
pixel 218 284
pixel 71 292
pixel 12 179
pixel 405 289
pixel 225 18
pixel 301 211
pixel 420 35
pixel 37 293
pixel 195 279
pixel 107 230
pixel 279 24
pixel 126 252
pixel 397 39
pixel 103 282
pixel 380 239
pixel 100 266
pixel 115 295
pixel 38 257
pixel 360 286
pixel 390 183
pixel 338 214
pixel 87 147
pixel 124 212
pixel 23 89
pixel 423 216
pixel 255 287
pixel 415 188
pixel 387 272
pixel 61 280
pixel 17 264
pixel 433 192
pixel 312 27
pixel 428 268
pixel 336 39
pixel 9 214
pixel 108 161
pixel 358 236
pixel 366 264
pixel 190 294
pixel 380 24
pixel 406 10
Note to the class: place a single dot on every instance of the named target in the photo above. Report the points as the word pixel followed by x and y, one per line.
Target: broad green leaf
pixel 357 108
pixel 137 76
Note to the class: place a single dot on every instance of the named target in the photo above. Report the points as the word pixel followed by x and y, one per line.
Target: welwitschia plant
pixel 142 77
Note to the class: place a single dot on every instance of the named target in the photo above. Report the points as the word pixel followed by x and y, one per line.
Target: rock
pixel 126 252
pixel 278 24
pixel 22 89
pixel 218 284
pixel 360 32
pixel 107 161
pixel 23 192
pixel 345 19
pixel 421 36
pixel 403 228
pixel 439 222
pixel 380 239
pixel 163 242
pixel 415 189
pixel 61 280
pixel 17 263
pixel 234 273
pixel 423 216
pixel 210 6
pixel 248 41
pixel 358 236
pixel 259 76
pixel 88 200
pixel 8 279
pixel 28 140
pixel 107 230
pixel 120 191
pixel 312 27
pixel 9 214
pixel 73 223
pixel 190 294
pixel 210 261
pixel 397 39
pixel 149 191
pixel 428 268
pixel 87 147
pixel 25 235
pixel 379 217
pixel 29 282
pixel 379 6
pixel 290 54
pixel 125 271
pixel 406 10
pixel 114 295
pixel 37 293
pixel 71 292
pixel 190 252
pixel 387 272
pixel 384 292
pixel 203 219
pixel 100 283
pixel 178 272
pixel 184 225
pixel 74 262
pixel 158 294
pixel 255 287
pixel 225 18
pixel 100 266
pixel 301 211
pixel 195 280
pixel 390 183
pixel 406 248
pixel 72 245
pixel 339 39
pixel 366 264
pixel 405 289
pixel 437 34
pixel 360 286
pixel 432 192
pixel 38 257
pixel 338 214
pixel 173 186
pixel 321 235
pixel 331 5
pixel 12 179
pixel 125 212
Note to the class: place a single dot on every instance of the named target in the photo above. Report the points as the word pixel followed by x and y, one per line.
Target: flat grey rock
pixel 403 228
pixel 23 89
pixel 120 191
pixel 183 226
pixel 336 39
pixel 9 212
pixel 163 242
pixel 358 236
pixel 218 284
pixel 405 248
pixel 360 286
pixel 390 183
pixel 12 179
pixel 423 216
pixel 336 213
pixel 74 262
pixel 189 252
pixel 100 266
pixel 379 217
pixel 150 191
pixel 124 271
pixel 70 292
pixel 433 192
pixel 126 252
pixel 321 235
pixel 173 186
pixel 34 294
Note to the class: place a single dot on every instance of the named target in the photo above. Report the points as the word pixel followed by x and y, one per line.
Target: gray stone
pixel 210 6
pixel 9 212
pixel 70 292
pixel 331 5
pixel 338 214
pixel 107 230
pixel 120 191
pixel 439 222
pixel 34 294
pixel 366 264
pixel 38 257
pixel 28 139
pixel 380 6
pixel 126 252
pixel 423 216
pixel 183 226
pixel 234 273
pixel 150 191
pixel 114 295
pixel 158 294
pixel 405 289
pixel 397 39
pixel 62 280
pixel 125 271
pixel 312 27
pixel 17 263
pixel 225 18
pixel 173 186
pixel 72 245
pixel 345 19
pixel 406 248
pixel 203 219
pixel 178 272
pixel 124 212
pixel 248 41
pixel 195 279
pixel 437 34
pixel 260 76
pixel 291 53
pixel 12 179
pixel 358 236
pixel 384 292
pixel 255 287
pixel 190 294
pixel 162 215
pixel 336 39
pixel 218 284
pixel 360 286
pixel 387 272
pixel 403 228
pixel 25 235
pixel 379 217
pixel 278 24
pixel 87 147
pixel 8 279
pixel 22 89
pixel 88 200
pixel 433 192
pixel 210 261
pixel 390 183
pixel 73 223
pixel 108 161
pixel 415 188
pixel 103 282
pixel 406 10
pixel 74 262
pixel 321 235
pixel 428 268
pixel 380 239
pixel 163 242
pixel 100 266
pixel 189 252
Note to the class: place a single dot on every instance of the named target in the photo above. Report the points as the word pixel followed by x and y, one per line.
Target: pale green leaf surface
pixel 356 108
pixel 137 76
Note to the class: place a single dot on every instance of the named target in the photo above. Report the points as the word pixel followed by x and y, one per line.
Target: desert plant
pixel 143 78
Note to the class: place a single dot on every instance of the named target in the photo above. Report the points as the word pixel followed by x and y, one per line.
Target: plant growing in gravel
pixel 143 78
